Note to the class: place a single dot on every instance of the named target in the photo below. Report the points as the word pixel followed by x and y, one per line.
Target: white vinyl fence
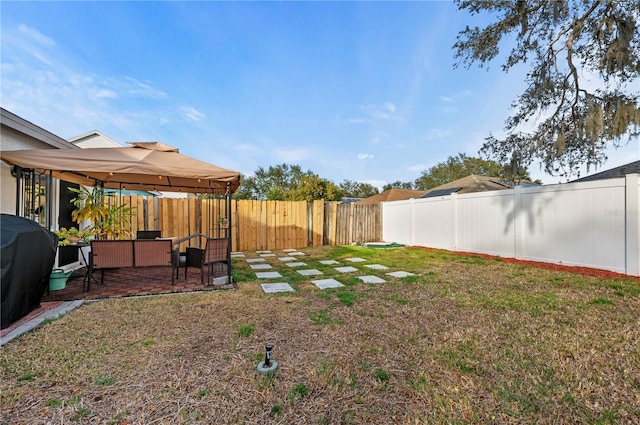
pixel 591 224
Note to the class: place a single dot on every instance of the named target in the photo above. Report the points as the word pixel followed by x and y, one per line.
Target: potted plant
pixel 107 222
pixel 72 235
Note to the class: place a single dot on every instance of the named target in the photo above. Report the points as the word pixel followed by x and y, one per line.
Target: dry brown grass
pixel 469 340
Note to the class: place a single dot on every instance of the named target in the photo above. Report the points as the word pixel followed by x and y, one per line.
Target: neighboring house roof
pixel 392 195
pixel 94 139
pixel 470 184
pixel 621 171
pixel 11 121
pixel 349 200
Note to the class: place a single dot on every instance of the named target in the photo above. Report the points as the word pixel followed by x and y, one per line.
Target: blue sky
pixel 364 91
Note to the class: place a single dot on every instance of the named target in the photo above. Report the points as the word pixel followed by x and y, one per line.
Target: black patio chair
pixel 216 252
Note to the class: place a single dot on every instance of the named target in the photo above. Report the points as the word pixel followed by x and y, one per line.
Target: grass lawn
pixel 466 340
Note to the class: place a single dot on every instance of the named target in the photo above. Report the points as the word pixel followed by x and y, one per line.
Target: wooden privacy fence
pixel 258 224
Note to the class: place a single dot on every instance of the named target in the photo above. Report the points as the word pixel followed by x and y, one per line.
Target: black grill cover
pixel 27 255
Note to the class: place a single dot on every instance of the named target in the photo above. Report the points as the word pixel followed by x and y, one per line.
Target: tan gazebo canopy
pixel 143 166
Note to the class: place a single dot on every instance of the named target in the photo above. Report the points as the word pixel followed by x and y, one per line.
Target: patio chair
pixel 154 252
pixel 216 252
pixel 109 255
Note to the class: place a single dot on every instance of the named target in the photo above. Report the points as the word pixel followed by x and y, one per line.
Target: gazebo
pixel 149 166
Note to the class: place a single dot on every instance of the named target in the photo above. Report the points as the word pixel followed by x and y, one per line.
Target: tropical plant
pixel 107 221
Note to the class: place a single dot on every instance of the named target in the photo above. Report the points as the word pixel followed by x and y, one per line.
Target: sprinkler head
pixel 267 365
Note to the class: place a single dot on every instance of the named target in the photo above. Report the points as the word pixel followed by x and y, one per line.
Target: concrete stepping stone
pixel 371 279
pixel 296 264
pixel 267 255
pixel 237 255
pixel 356 260
pixel 287 258
pixel 347 269
pixel 400 274
pixel 376 266
pixel 268 275
pixel 329 262
pixel 309 272
pixel 261 266
pixel 271 288
pixel 289 250
pixel 327 283
pixel 263 252
pixel 297 253
pixel 256 260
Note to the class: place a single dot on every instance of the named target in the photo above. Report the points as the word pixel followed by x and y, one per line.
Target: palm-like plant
pixel 107 222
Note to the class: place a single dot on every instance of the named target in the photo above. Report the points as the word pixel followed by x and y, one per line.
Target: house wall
pixel 592 224
pixel 11 139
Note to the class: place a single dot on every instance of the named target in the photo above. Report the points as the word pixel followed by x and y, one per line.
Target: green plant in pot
pixel 72 235
pixel 107 221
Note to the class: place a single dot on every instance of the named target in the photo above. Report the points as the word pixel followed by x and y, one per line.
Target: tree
pixel 353 189
pixel 584 59
pixel 397 185
pixel 272 183
pixel 312 188
pixel 457 167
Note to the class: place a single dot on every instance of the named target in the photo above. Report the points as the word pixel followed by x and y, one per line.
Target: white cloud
pixel 376 112
pixel 384 112
pixel 365 156
pixel 447 99
pixel 359 121
pixel 35 35
pixel 138 88
pixel 192 114
pixel 104 93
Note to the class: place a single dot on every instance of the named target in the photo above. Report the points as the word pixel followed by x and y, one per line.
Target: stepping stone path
pixel 261 266
pixel 371 279
pixel 289 250
pixel 271 288
pixel 347 269
pixel 286 258
pixel 309 272
pixel 296 264
pixel 263 252
pixel 376 266
pixel 327 283
pixel 400 274
pixel 267 255
pixel 256 260
pixel 268 275
pixel 329 262
pixel 237 255
pixel 356 260
pixel 297 253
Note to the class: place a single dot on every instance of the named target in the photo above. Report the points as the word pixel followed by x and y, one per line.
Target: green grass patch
pixel 297 392
pixel 381 375
pixel 104 380
pixel 321 317
pixel 347 298
pixel 601 301
pixel 246 330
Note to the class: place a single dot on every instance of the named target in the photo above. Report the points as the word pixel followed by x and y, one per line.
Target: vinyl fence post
pixel 632 224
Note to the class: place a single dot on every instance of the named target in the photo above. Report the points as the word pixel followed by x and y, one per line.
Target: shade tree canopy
pixel 398 185
pixel 353 189
pixel 582 95
pixel 461 165
pixel 287 182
